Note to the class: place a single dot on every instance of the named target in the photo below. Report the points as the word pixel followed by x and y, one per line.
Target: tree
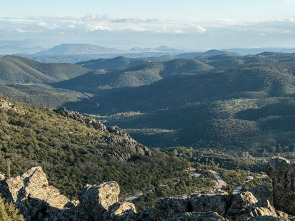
pixel 8 212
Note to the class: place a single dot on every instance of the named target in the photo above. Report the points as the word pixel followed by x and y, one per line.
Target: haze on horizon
pixel 187 24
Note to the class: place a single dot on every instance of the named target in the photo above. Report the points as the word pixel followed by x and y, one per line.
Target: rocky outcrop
pixel 245 206
pixel 118 136
pixel 282 173
pixel 100 202
pixel 242 206
pixel 122 138
pixel 207 216
pixel 95 200
pixel 79 117
pixel 36 199
pixel 2 177
pixel 198 203
pixel 7 105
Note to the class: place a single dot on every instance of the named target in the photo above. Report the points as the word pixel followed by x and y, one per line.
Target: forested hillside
pixel 14 69
pixel 75 150
pixel 218 101
pixel 96 81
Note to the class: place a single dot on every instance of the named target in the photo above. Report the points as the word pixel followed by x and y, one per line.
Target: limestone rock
pixel 263 195
pixel 2 176
pixel 118 136
pixel 282 173
pixel 169 207
pixel 7 105
pixel 79 117
pixel 207 216
pixel 35 198
pixel 122 211
pixel 245 205
pixel 122 138
pixel 209 202
pixel 95 200
pixel 243 200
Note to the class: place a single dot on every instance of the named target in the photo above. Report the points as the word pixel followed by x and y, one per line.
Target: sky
pixel 188 24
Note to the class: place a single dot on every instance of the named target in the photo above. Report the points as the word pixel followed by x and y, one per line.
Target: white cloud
pixel 42 24
pixel 99 28
pixel 178 31
pixel 20 30
pixel 201 29
pixel 92 23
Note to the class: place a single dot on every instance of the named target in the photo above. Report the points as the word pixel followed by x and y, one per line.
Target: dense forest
pixel 74 153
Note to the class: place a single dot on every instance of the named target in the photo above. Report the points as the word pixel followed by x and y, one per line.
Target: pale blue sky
pixel 193 24
pixel 162 9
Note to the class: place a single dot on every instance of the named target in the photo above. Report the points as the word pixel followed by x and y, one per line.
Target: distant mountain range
pixel 15 47
pixel 72 53
pixel 70 49
pixel 122 61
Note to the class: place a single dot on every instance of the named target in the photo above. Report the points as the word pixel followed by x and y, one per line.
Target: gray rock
pixel 95 201
pixel 206 216
pixel 209 202
pixel 100 202
pixel 246 206
pixel 121 212
pixel 2 176
pixel 36 198
pixel 168 207
pixel 263 195
pixel 282 173
pixel 118 136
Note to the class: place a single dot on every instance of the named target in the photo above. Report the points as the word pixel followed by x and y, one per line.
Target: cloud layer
pixel 208 33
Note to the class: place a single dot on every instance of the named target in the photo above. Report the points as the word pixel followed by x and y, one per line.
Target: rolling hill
pixel 117 62
pixel 42 94
pixel 257 81
pixel 219 101
pixel 14 69
pixel 132 76
pixel 248 108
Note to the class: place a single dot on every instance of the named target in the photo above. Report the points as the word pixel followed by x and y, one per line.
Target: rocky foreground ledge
pixel 37 200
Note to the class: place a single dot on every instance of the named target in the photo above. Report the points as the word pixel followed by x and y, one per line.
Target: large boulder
pixel 36 199
pixel 100 202
pixel 263 195
pixel 218 203
pixel 168 207
pixel 282 173
pixel 121 212
pixel 95 200
pixel 204 202
pixel 246 206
